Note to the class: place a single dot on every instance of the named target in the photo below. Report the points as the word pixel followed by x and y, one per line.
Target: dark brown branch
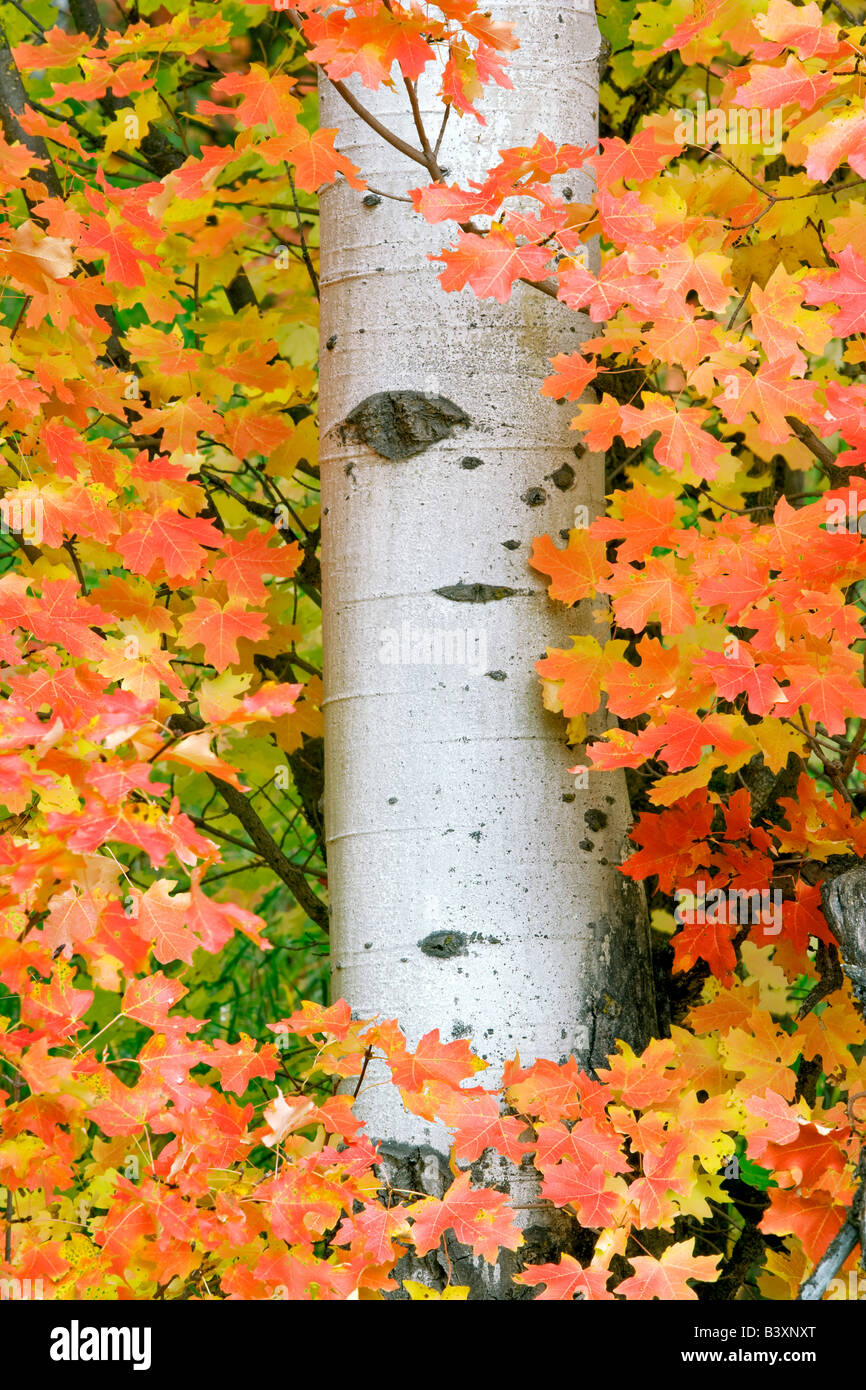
pixel 815 445
pixel 85 17
pixel 262 839
pixel 13 100
pixel 311 269
pixel 360 110
pixel 372 121
pixel 429 157
pixel 29 17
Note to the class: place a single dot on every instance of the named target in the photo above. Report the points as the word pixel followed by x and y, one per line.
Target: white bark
pixel 449 806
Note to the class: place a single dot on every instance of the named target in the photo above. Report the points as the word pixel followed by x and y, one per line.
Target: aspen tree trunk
pixel 473 884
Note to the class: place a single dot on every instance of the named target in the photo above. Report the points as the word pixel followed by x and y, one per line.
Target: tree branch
pixel 360 110
pixel 261 837
pixel 815 445
pixel 814 1288
pixel 13 100
pixel 311 269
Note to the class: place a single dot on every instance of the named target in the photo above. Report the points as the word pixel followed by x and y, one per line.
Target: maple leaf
pixel 809 1159
pixel 548 1090
pixel 434 1060
pixel 477 1122
pixel 317 162
pixel 657 591
pixel 668 1277
pixel 490 264
pixel 711 941
pixel 597 1198
pixel 123 260
pixel 195 751
pixel 815 1220
pixel 181 422
pixel 647 521
pixel 168 540
pixel 763 1054
pixel 334 1020
pixel 298 1206
pixel 264 97
pixel 579 673
pixel 237 1063
pixel 775 1121
pixel 282 1117
pixel 802 28
pixel 639 158
pixel 217 627
pixel 566 1280
pixel 589 1144
pixel 243 564
pixel 830 695
pixel 772 87
pixel 55 1007
pixel 835 141
pixel 684 444
pixel 572 374
pixel 32 261
pixel 782 323
pixel 738 591
pixel 149 1000
pixel 634 689
pixel 742 674
pixel 454 1293
pixel 643 1080
pixel 845 287
pixel 672 842
pixel 439 203
pixel 575 571
pixel 664 1175
pixel 126 1110
pixel 479 1218
pixel 58 49
pixel 770 395
pixel 163 921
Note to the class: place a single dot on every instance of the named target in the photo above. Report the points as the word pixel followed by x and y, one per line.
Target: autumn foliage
pixel 176 1091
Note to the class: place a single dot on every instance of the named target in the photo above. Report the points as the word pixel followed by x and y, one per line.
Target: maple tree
pixel 177 1091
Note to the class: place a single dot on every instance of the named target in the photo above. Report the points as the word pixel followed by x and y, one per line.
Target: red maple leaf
pixel 149 1000
pixel 479 1218
pixel 434 1060
pixel 218 628
pixel 167 541
pixel 491 264
pixel 566 1280
pixel 237 1063
pixel 575 571
pixel 668 1278
pixel 572 374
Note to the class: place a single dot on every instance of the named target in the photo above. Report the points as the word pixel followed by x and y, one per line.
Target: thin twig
pixel 262 839
pixel 311 269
